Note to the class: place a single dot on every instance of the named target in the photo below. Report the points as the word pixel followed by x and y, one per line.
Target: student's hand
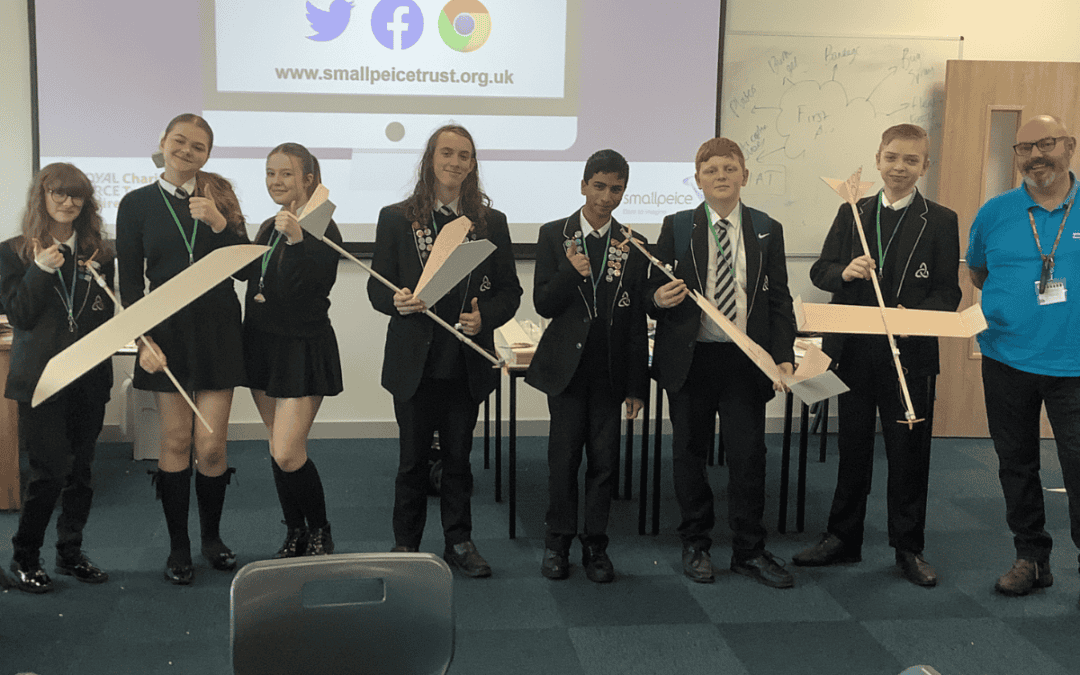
pixel 204 209
pixel 859 268
pixel 633 406
pixel 786 370
pixel 670 294
pixel 287 224
pixel 470 321
pixel 580 261
pixel 151 358
pixel 406 303
pixel 49 257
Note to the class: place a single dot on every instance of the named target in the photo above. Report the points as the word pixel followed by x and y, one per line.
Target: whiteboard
pixel 806 106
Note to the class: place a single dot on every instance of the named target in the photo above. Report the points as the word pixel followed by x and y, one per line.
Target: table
pixel 10 493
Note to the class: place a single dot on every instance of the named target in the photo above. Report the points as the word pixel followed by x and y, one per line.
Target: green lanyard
pixel 183 235
pixel 593 277
pixel 716 238
pixel 881 255
pixel 69 298
pixel 275 238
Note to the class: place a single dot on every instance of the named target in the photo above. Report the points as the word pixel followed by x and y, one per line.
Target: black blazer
pixel 770 318
pixel 36 311
pixel 561 294
pixel 928 252
pixel 494 283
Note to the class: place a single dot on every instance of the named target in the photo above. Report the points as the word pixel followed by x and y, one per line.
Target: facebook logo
pixel 397 24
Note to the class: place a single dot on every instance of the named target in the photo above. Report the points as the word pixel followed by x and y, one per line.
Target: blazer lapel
pixel 699 248
pixel 912 228
pixel 752 247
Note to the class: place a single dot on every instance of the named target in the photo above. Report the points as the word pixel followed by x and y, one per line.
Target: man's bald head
pixel 1043 167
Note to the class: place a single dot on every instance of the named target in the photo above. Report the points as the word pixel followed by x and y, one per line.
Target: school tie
pixel 725 273
pixel 181 193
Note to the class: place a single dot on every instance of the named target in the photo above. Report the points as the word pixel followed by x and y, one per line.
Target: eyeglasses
pixel 59 197
pixel 1043 144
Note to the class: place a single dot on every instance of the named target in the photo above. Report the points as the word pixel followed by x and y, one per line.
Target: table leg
pixel 658 438
pixel 785 459
pixel 498 440
pixel 513 456
pixel 643 479
pixel 487 432
pixel 800 486
pixel 628 468
pixel 824 430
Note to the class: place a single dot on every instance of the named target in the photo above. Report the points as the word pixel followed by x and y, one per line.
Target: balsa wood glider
pixel 812 382
pixel 164 301
pixel 830 318
pixel 850 191
pixel 317 228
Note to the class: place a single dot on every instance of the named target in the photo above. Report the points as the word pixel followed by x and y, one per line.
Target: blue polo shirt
pixel 1044 340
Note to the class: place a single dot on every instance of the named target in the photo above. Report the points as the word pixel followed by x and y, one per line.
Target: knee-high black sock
pixel 294 516
pixel 306 487
pixel 210 493
pixel 174 491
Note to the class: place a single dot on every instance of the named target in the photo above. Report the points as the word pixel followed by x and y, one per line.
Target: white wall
pixel 1047 31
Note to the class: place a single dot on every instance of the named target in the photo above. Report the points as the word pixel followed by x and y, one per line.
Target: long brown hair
pixel 309 164
pixel 212 185
pixel 472 201
pixel 69 179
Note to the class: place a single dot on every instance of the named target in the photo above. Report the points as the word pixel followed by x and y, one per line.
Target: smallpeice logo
pixel 331 22
pixel 397 24
pixel 464 25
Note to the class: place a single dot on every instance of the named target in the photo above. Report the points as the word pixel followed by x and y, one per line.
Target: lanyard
pixel 276 237
pixel 1048 260
pixel 69 298
pixel 593 278
pixel 183 235
pixel 716 238
pixel 881 254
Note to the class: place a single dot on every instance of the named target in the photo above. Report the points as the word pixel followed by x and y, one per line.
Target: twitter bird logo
pixel 329 23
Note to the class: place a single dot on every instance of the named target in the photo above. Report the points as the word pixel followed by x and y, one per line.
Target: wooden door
pixel 982 97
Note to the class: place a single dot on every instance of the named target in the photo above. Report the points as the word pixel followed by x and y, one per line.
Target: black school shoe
pixel 556 565
pixel 178 569
pixel 597 564
pixel 219 555
pixel 30 576
pixel 764 569
pixel 82 569
pixel 466 558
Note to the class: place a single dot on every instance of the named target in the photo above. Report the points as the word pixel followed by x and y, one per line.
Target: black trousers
pixel 1013 402
pixel 447 407
pixel 867 369
pixel 58 439
pixel 584 416
pixel 721 379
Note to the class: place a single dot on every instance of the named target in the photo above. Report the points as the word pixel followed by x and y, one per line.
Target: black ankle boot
pixel 210 492
pixel 296 543
pixel 319 541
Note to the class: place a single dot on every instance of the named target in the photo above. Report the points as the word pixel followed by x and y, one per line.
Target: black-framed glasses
pixel 1043 144
pixel 59 197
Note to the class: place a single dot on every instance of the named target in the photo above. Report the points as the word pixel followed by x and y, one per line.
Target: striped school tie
pixel 725 273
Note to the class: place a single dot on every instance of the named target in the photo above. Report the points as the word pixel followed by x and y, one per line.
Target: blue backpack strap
pixel 683 226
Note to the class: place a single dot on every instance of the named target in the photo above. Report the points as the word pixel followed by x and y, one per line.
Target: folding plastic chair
pixel 363 613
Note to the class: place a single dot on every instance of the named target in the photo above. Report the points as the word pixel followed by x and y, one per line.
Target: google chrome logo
pixel 464 25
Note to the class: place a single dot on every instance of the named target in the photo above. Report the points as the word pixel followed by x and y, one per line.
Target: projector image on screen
pixel 381 76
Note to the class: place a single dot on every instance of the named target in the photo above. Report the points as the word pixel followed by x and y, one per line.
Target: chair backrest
pixel 361 613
